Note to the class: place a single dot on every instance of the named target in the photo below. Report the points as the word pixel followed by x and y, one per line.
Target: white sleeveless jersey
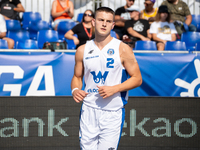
pixel 103 68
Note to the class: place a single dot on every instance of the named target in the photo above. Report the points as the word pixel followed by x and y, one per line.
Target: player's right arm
pixel 76 82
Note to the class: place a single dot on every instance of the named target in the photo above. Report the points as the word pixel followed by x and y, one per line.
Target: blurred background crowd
pixel 152 25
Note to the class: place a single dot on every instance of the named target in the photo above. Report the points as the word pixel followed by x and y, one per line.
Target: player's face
pixel 104 23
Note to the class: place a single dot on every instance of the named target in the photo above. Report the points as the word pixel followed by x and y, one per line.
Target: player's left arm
pixel 130 64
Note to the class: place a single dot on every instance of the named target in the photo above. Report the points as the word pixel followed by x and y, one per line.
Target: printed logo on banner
pixel 194 87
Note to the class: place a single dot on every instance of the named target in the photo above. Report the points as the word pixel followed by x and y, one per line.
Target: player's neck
pixel 101 41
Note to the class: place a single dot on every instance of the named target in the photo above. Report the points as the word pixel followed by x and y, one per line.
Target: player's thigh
pixel 111 128
pixel 89 130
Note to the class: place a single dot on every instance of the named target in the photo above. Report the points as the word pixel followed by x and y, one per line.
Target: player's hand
pixel 106 91
pixel 79 95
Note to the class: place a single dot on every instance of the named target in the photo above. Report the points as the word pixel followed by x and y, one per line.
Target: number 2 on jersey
pixel 110 62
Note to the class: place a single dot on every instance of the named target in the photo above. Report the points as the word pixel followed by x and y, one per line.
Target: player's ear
pixel 113 25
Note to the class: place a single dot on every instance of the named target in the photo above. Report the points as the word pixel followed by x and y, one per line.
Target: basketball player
pixel 105 63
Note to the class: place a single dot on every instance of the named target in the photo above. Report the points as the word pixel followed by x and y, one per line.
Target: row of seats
pixel 169 46
pixel 140 45
pixel 22 37
pixel 34 27
pixel 190 41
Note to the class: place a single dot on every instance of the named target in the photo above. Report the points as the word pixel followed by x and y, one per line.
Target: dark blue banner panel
pixel 52 123
pixel 50 74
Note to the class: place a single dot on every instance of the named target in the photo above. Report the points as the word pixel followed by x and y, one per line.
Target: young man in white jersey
pixel 105 63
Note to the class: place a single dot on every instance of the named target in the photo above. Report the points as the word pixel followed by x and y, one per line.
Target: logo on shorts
pixel 111 148
pixel 110 51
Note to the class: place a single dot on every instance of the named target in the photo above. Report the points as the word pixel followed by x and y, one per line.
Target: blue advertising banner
pixel 50 74
pixel 169 75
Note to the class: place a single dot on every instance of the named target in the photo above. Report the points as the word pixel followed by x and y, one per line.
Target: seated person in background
pixel 162 30
pixel 180 12
pixel 62 10
pixel 121 15
pixel 149 12
pixel 84 30
pixel 10 9
pixel 3 31
pixel 137 29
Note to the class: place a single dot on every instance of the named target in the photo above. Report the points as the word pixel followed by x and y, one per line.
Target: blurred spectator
pixel 149 12
pixel 62 10
pixel 137 29
pixel 180 13
pixel 84 30
pixel 10 9
pixel 121 15
pixel 3 31
pixel 162 30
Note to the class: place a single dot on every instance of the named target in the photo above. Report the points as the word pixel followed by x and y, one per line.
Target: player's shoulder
pixel 124 48
pixel 81 49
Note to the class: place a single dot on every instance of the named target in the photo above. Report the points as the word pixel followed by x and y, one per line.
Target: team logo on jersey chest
pixel 99 77
pixel 110 52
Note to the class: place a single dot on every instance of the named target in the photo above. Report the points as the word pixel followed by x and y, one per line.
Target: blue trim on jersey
pixel 79 125
pixel 123 94
pixel 123 119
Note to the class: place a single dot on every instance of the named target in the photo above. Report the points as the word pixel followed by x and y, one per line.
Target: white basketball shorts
pixel 100 129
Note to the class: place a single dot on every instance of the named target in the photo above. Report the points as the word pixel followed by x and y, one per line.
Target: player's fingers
pixel 81 95
pixel 103 94
pixel 76 99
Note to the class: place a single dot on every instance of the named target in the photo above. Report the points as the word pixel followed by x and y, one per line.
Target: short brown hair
pixel 105 9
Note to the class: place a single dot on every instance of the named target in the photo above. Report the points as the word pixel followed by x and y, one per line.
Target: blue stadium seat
pixel 13 25
pixel 17 36
pixel 30 16
pixel 3 44
pixel 113 34
pixel 79 17
pixel 198 27
pixel 145 45
pixel 196 21
pixel 70 44
pixel 190 39
pixel 46 36
pixel 197 48
pixel 63 27
pixel 27 44
pixel 34 27
pixel 175 45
